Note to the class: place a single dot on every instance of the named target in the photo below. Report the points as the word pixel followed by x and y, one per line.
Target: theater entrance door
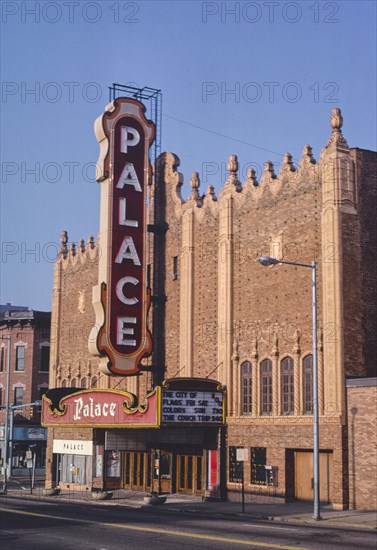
pixel 190 474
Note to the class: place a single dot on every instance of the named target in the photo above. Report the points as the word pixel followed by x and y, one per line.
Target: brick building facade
pixel 27 334
pixel 217 314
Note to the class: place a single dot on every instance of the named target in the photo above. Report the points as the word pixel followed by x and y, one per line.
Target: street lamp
pixel 6 428
pixel 266 261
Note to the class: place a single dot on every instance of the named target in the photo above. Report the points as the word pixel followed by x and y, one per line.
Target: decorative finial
pixel 91 241
pixel 233 169
pixel 269 169
pixel 211 192
pixel 287 167
pixel 195 183
pixel 288 160
pixel 72 249
pixel 233 164
pixel 336 120
pixel 63 243
pixel 82 245
pixel 337 140
pixel 251 178
pixel 307 155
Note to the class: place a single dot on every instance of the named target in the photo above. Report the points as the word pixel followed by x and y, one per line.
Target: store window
pixel 308 384
pixel 287 385
pixel 266 386
pixel 76 469
pixel 246 388
pixel 258 465
pixel 20 358
pixel 235 467
pixel 113 464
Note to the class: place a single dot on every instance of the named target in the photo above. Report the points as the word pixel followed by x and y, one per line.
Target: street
pixel 69 526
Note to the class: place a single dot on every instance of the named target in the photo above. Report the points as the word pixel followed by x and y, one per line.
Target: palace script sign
pixel 101 408
pixel 121 299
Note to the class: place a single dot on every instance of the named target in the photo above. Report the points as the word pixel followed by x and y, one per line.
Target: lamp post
pixel 6 427
pixel 266 261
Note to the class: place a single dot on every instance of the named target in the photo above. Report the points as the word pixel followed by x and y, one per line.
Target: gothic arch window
pixel 307 378
pixel 83 382
pixel 266 386
pixel 287 386
pixel 246 388
pixel 64 384
pixel 73 383
pixel 94 382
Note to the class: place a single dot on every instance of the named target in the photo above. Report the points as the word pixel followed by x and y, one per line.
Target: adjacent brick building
pixel 27 334
pixel 217 314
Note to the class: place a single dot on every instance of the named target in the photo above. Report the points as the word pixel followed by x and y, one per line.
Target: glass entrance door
pixel 189 474
pixel 136 471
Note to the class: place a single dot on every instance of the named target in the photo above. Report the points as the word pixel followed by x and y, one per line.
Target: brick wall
pixel 362 443
pixel 366 178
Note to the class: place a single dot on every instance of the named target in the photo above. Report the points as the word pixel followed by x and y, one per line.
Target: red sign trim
pixel 101 408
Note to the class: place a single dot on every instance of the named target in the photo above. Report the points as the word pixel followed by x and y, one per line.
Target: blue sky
pixel 288 64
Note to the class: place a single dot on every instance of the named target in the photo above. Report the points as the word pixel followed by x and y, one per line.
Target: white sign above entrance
pixel 72 447
pixel 196 407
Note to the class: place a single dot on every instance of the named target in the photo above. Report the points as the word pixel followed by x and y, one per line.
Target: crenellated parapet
pixel 251 191
pixel 72 255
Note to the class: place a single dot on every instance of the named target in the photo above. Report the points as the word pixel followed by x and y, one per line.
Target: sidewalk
pixel 295 512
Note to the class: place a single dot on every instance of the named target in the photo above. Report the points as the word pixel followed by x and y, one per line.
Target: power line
pixel 223 135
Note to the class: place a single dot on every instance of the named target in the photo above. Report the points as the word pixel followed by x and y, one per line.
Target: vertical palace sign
pixel 121 299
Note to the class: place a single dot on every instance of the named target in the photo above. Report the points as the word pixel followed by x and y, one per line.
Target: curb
pixel 335 524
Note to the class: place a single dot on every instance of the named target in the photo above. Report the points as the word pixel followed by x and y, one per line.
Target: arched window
pixel 307 377
pixel 266 386
pixel 287 386
pixel 83 382
pixel 73 383
pixel 94 382
pixel 64 384
pixel 246 388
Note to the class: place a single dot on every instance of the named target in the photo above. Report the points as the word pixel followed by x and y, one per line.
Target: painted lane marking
pixel 269 527
pixel 155 530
